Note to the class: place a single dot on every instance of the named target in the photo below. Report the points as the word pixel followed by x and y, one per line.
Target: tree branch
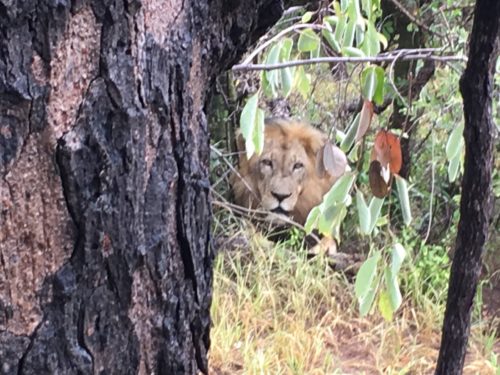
pixel 394 55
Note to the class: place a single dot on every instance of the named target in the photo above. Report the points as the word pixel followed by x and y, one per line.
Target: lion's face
pixel 281 171
pixel 283 179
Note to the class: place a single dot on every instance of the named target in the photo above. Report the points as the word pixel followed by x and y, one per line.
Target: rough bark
pixel 104 192
pixel 476 86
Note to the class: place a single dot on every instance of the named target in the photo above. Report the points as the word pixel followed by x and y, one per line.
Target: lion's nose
pixel 280 197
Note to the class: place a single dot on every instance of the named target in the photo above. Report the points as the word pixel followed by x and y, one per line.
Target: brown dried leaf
pixel 365 119
pixel 380 179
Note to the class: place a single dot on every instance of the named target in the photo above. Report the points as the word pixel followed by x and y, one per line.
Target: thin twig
pixel 337 59
pixel 270 216
pixel 391 78
pixel 413 19
pixel 233 169
pixel 431 203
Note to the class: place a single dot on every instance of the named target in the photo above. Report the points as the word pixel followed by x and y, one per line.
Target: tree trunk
pixel 104 191
pixel 476 87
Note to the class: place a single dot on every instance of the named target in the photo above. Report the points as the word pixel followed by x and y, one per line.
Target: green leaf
pixel 286 81
pixel 308 41
pixel 366 303
pixel 371 43
pixel 392 285
pixel 302 82
pixel 286 49
pixel 404 200
pixel 455 142
pixel 352 52
pixel 248 114
pixel 372 84
pixel 315 53
pixel 385 306
pixel 267 89
pixel 363 213
pixel 338 219
pixel 398 254
pixel 312 218
pixel 307 17
pixel 339 191
pixel 272 58
pixel 330 38
pixel 360 33
pixel 367 7
pixel 331 20
pixel 375 207
pixel 349 33
pixel 340 28
pixel 327 219
pixel 350 135
pixel 252 126
pixel 366 276
pixel 258 134
pixel 453 167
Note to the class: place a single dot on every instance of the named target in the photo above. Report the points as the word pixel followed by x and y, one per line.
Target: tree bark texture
pixel 105 266
pixel 476 86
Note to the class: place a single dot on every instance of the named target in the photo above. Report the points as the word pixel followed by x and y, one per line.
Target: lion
pixel 285 178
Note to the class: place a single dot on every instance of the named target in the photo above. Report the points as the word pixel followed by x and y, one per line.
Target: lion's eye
pixel 267 163
pixel 298 165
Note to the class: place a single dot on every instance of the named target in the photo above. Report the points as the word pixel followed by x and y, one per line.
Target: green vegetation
pixel 275 310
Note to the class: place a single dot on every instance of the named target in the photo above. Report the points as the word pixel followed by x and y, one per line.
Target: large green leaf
pixel 372 84
pixel 327 219
pixel 363 213
pixel 330 38
pixel 252 126
pixel 366 276
pixel 340 28
pixel 385 306
pixel 371 43
pixel 302 82
pixel 339 191
pixel 375 207
pixel 453 167
pixel 367 7
pixel 273 58
pixel 352 52
pixel 349 33
pixel 392 285
pixel 366 303
pixel 398 255
pixel 307 17
pixel 308 41
pixel 258 133
pixel 312 219
pixel 350 136
pixel 247 119
pixel 455 142
pixel 404 200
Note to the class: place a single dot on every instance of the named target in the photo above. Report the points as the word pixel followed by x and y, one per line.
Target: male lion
pixel 285 178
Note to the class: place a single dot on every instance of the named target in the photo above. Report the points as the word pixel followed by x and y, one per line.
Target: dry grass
pixel 276 312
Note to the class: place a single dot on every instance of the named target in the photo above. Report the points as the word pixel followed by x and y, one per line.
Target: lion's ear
pixel 320 165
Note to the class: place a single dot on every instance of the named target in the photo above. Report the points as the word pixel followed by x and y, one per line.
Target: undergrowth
pixel 276 311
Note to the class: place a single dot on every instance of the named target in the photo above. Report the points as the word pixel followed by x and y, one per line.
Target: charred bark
pixel 104 192
pixel 476 86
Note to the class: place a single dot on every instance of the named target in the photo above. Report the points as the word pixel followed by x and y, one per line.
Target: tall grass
pixel 275 311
